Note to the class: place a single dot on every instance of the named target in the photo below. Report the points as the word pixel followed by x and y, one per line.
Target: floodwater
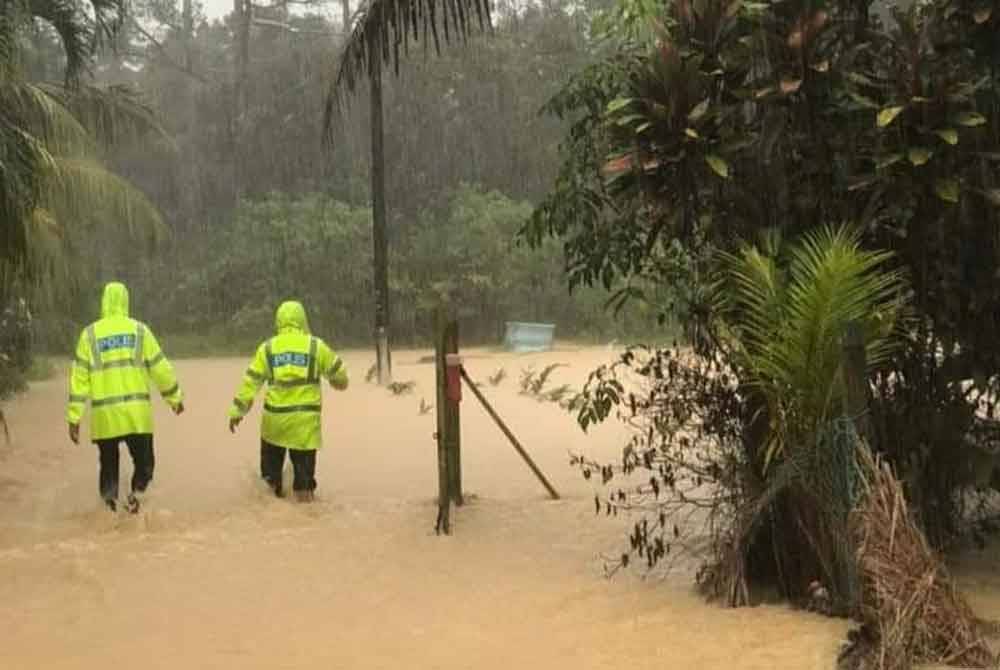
pixel 214 573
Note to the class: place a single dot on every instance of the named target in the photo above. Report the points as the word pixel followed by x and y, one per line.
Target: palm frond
pixel 384 26
pixel 113 115
pixel 37 111
pixel 78 185
pixel 46 247
pixel 109 17
pixel 12 16
pixel 756 291
pixel 52 188
pixel 791 328
pixel 74 29
pixel 82 32
pixel 23 161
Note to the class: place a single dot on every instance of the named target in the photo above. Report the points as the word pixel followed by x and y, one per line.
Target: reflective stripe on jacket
pixel 113 360
pixel 292 363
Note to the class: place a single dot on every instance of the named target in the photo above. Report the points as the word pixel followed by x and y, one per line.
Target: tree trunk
pixel 346 9
pixel 242 14
pixel 188 18
pixel 383 358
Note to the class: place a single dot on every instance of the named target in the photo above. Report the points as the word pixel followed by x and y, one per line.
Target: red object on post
pixel 453 377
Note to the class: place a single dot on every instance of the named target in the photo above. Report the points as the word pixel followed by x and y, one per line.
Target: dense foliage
pixel 463 253
pixel 259 208
pixel 716 121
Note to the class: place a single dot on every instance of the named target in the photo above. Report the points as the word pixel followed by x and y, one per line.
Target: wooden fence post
pixel 443 524
pixel 453 422
pixel 855 365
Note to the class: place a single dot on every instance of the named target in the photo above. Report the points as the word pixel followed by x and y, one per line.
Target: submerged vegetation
pixel 810 189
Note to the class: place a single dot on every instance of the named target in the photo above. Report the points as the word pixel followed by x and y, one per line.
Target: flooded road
pixel 214 573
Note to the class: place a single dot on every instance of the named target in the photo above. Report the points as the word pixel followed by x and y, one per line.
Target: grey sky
pixel 217 8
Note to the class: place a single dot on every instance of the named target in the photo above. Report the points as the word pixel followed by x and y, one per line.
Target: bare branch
pixel 162 50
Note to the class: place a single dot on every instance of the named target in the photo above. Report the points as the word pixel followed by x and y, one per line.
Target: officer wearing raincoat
pixel 114 357
pixel 292 363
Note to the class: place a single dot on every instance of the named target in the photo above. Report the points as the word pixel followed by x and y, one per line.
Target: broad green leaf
pixel 718 165
pixel 859 78
pixel 692 133
pixel 858 183
pixel 629 118
pixel 993 195
pixel 919 155
pixel 619 104
pixel 949 135
pixel 888 115
pixel 699 111
pixel 947 190
pixel 643 127
pixel 862 100
pixel 790 85
pixel 891 159
pixel 970 119
pixel 981 16
pixel 919 98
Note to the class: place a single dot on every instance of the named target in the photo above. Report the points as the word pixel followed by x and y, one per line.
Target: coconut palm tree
pixel 382 27
pixel 51 135
pixel 385 28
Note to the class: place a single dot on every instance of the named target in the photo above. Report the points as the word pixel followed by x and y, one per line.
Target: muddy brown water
pixel 214 573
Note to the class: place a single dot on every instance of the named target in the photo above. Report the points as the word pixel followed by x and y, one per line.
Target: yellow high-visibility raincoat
pixel 113 357
pixel 293 363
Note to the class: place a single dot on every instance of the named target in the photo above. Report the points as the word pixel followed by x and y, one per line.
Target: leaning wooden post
pixel 453 422
pixel 510 436
pixel 443 524
pixel 855 366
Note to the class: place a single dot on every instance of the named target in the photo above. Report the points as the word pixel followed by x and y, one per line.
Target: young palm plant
pixel 789 308
pixel 786 310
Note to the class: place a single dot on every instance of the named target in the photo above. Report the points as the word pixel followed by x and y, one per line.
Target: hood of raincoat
pixel 114 302
pixel 291 317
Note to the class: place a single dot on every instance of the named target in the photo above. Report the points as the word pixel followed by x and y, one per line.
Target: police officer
pixel 114 355
pixel 292 363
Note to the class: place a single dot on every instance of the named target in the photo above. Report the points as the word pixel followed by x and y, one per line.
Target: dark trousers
pixel 140 447
pixel 272 461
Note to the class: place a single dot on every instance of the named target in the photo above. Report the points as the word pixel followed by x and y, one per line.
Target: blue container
pixel 525 337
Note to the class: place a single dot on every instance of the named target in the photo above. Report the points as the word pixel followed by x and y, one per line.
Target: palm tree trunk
pixel 381 261
pixel 242 14
pixel 188 17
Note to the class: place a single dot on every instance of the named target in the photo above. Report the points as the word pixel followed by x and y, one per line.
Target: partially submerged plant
pixel 401 388
pixel 496 378
pixel 747 450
